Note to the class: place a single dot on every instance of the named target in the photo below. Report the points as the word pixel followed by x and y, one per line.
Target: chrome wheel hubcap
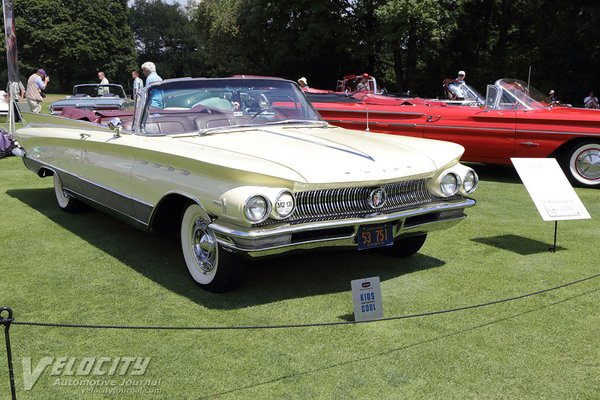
pixel 588 164
pixel 204 245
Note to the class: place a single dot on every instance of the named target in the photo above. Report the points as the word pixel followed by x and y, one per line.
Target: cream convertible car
pixel 246 167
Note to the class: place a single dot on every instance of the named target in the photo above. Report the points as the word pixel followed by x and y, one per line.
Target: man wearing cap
pixel 461 77
pixel 553 97
pixel 36 83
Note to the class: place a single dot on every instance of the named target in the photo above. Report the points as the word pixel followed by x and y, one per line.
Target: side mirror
pixel 116 125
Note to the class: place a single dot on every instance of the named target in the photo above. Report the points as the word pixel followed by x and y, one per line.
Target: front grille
pixel 329 204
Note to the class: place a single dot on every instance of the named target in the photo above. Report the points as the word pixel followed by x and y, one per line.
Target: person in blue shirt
pixel 149 69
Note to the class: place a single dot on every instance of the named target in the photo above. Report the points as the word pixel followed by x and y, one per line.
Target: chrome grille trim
pixel 332 204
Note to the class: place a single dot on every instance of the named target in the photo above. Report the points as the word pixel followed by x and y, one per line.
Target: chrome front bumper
pixel 271 240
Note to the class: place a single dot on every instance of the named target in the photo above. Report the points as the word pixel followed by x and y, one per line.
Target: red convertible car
pixel 514 120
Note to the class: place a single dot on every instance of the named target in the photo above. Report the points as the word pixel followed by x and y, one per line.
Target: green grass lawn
pixel 90 268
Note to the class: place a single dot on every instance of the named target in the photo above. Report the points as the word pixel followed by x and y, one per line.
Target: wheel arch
pixel 167 214
pixel 44 172
pixel 564 148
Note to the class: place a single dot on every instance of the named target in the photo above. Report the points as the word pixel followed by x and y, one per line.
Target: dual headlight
pixel 457 179
pixel 258 208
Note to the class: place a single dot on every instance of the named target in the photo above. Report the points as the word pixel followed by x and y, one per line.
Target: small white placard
pixel 366 296
pixel 550 190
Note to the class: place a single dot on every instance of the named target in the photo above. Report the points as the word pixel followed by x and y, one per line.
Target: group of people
pixel 37 83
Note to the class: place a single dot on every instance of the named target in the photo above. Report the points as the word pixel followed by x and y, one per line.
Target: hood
pixel 328 155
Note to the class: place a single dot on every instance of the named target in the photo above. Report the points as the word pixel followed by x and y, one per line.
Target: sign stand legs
pixel 553 248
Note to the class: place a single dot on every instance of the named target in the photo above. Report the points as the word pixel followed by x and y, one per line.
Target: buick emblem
pixel 377 198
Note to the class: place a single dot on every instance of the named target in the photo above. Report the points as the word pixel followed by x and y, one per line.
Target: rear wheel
pixel 65 201
pixel 405 247
pixel 582 164
pixel 209 265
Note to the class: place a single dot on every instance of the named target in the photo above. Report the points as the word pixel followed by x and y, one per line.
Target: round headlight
pixel 470 182
pixel 449 184
pixel 256 208
pixel 284 205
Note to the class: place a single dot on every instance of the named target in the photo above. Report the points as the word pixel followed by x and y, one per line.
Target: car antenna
pixel 528 78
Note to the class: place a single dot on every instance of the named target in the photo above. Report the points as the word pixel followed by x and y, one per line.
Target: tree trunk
pixel 398 68
pixel 411 58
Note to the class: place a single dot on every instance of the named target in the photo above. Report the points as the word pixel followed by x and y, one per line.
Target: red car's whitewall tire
pixel 583 164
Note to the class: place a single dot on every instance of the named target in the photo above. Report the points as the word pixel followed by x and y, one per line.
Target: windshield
pixel 462 91
pixel 204 105
pixel 98 91
pixel 517 94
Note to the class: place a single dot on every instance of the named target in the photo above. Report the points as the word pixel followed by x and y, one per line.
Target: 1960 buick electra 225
pixel 244 167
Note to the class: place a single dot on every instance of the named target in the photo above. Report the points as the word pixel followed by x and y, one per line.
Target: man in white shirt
pixel 103 81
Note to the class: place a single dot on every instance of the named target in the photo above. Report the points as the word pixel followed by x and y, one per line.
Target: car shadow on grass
pixel 517 244
pixel 496 173
pixel 158 257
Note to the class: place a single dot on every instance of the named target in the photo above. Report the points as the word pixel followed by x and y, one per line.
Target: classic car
pixel 516 120
pixel 94 97
pixel 245 167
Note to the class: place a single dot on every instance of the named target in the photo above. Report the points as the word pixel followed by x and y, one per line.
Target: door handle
pixel 529 144
pixel 430 118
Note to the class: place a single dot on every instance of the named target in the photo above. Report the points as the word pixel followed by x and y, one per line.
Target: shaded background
pixel 408 45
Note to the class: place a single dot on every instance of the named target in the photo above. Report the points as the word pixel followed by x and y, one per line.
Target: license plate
pixel 371 236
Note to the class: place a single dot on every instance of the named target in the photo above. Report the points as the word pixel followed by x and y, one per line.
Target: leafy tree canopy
pixel 74 39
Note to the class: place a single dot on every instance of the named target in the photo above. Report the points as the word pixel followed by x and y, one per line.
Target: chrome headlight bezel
pixel 475 182
pixel 252 201
pixel 287 197
pixel 457 183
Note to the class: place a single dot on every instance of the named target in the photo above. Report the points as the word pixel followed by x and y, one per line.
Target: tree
pixel 73 39
pixel 289 38
pixel 165 35
pixel 411 28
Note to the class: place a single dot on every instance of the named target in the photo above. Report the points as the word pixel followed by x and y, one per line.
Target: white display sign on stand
pixel 366 296
pixel 550 190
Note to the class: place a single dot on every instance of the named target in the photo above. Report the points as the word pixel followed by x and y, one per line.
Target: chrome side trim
pixel 371 123
pixel 469 128
pixel 559 133
pixel 110 209
pixel 84 180
pixel 371 112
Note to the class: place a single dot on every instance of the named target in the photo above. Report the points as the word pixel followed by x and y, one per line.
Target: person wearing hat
pixel 303 83
pixel 553 97
pixel 461 77
pixel 36 84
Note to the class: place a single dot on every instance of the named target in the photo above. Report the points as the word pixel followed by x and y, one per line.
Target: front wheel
pixel 405 247
pixel 582 164
pixel 209 265
pixel 65 201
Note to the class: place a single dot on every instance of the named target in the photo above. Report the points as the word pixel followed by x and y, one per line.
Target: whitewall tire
pixel 209 265
pixel 65 201
pixel 582 164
